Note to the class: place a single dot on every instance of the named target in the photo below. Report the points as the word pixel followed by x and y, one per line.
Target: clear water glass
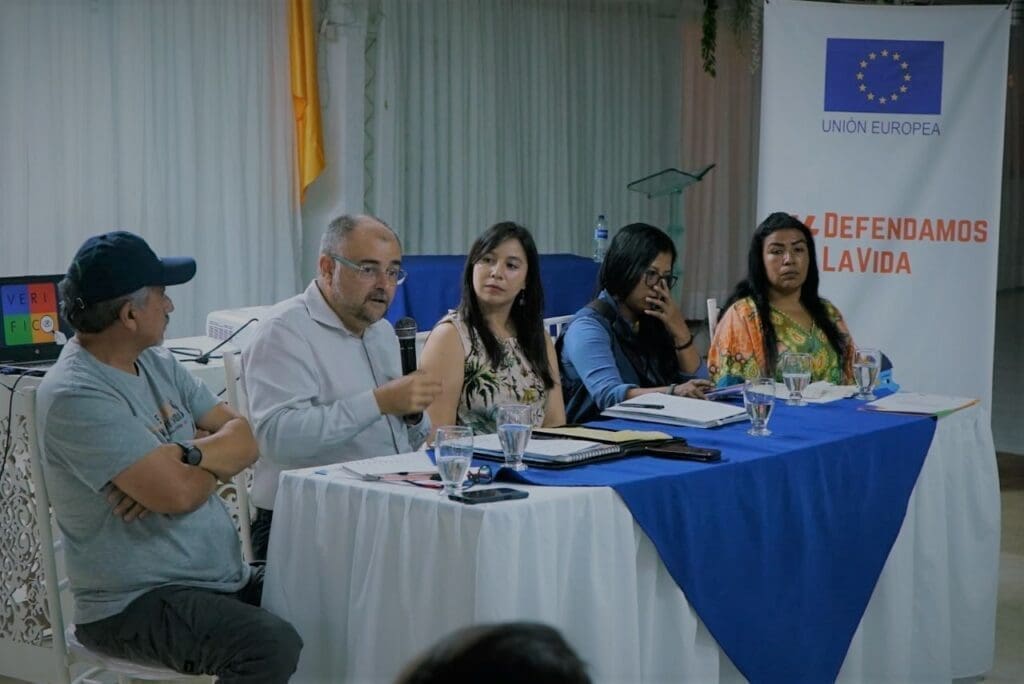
pixel 515 425
pixel 866 364
pixel 796 373
pixel 759 399
pixel 453 452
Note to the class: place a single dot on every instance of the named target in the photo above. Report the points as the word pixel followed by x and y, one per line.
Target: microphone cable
pixel 204 358
pixel 8 447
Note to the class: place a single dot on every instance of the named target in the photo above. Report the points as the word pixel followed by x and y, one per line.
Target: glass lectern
pixel 671 182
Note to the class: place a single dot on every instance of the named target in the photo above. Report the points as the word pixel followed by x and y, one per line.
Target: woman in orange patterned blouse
pixel 776 309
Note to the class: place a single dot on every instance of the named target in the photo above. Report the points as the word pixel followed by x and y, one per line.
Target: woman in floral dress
pixel 494 349
pixel 776 309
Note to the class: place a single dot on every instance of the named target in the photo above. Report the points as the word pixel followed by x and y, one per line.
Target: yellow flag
pixel 309 137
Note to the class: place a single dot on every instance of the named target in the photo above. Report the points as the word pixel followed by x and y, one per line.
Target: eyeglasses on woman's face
pixel 652 276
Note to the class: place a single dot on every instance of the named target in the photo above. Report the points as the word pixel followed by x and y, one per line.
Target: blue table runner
pixel 779 547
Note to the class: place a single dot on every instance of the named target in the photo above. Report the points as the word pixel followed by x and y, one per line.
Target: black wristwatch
pixel 190 454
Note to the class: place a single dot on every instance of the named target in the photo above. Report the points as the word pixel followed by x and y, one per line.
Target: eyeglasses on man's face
pixel 396 276
pixel 651 278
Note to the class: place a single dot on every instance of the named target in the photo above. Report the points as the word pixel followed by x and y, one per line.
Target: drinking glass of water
pixel 759 399
pixel 796 372
pixel 453 450
pixel 866 362
pixel 515 424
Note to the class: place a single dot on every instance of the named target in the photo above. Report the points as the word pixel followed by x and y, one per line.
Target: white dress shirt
pixel 310 383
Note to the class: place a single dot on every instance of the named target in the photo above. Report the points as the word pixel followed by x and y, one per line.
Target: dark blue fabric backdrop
pixel 435 285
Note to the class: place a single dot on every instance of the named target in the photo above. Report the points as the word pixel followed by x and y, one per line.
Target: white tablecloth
pixel 372 574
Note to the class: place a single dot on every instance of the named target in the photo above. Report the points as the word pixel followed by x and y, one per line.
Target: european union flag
pixel 883 76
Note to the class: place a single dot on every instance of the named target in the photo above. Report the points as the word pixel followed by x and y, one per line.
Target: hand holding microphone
pixel 407 395
pixel 416 389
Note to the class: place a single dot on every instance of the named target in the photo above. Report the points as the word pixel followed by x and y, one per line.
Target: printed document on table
pixel 673 410
pixel 415 462
pixel 602 435
pixel 920 403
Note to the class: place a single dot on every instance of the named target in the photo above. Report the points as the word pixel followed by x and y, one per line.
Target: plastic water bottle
pixel 600 238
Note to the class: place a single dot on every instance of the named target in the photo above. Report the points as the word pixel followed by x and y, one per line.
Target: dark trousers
pixel 259 531
pixel 197 631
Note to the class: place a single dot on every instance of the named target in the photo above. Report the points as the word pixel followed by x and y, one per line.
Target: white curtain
pixel 721 124
pixel 444 117
pixel 538 111
pixel 168 118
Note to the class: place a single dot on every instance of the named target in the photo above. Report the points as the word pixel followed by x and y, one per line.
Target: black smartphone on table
pixel 678 449
pixel 478 496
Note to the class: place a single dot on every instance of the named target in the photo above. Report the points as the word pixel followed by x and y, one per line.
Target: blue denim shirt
pixel 596 373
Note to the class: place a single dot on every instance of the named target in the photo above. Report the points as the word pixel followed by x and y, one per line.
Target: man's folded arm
pixel 160 482
pixel 230 447
pixel 163 484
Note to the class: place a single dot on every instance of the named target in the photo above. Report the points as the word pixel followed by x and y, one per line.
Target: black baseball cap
pixel 118 263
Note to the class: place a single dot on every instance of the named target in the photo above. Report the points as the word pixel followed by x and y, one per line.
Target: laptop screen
pixel 30 315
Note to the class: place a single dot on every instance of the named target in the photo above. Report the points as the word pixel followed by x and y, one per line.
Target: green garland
pixel 709 34
pixel 744 18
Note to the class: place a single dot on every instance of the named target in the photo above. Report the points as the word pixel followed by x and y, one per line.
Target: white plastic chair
pixel 237 491
pixel 712 317
pixel 60 658
pixel 556 324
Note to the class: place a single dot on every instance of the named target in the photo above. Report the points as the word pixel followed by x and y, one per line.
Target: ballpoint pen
pixel 400 476
pixel 646 406
pixel 362 476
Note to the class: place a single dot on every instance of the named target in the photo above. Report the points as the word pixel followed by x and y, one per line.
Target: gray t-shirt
pixel 95 421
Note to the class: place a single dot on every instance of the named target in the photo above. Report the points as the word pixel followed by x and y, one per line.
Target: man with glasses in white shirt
pixel 323 372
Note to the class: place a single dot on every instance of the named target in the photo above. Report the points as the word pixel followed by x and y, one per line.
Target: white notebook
pixel 548 450
pixel 672 410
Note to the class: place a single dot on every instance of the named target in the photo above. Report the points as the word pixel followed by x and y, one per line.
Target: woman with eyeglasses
pixel 494 349
pixel 633 338
pixel 776 309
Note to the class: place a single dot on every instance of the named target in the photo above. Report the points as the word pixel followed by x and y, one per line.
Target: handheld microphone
pixel 405 328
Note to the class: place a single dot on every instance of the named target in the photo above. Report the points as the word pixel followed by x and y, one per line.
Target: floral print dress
pixel 737 351
pixel 485 388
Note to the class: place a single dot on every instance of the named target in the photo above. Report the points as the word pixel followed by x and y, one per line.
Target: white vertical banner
pixel 882 129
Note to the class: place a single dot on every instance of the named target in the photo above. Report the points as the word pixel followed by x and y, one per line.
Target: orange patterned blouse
pixel 737 350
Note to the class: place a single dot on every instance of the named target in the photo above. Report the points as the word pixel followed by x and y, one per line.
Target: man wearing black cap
pixel 133 447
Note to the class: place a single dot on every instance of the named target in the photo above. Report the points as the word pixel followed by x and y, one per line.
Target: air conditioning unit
pixel 220 325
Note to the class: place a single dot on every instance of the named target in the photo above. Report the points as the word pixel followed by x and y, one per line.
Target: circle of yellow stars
pixel 874 58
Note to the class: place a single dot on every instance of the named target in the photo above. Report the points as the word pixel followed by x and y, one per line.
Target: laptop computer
pixel 31 329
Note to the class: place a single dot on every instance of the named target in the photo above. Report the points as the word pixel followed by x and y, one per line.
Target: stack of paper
pixel 918 403
pixel 374 468
pixel 820 392
pixel 672 410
